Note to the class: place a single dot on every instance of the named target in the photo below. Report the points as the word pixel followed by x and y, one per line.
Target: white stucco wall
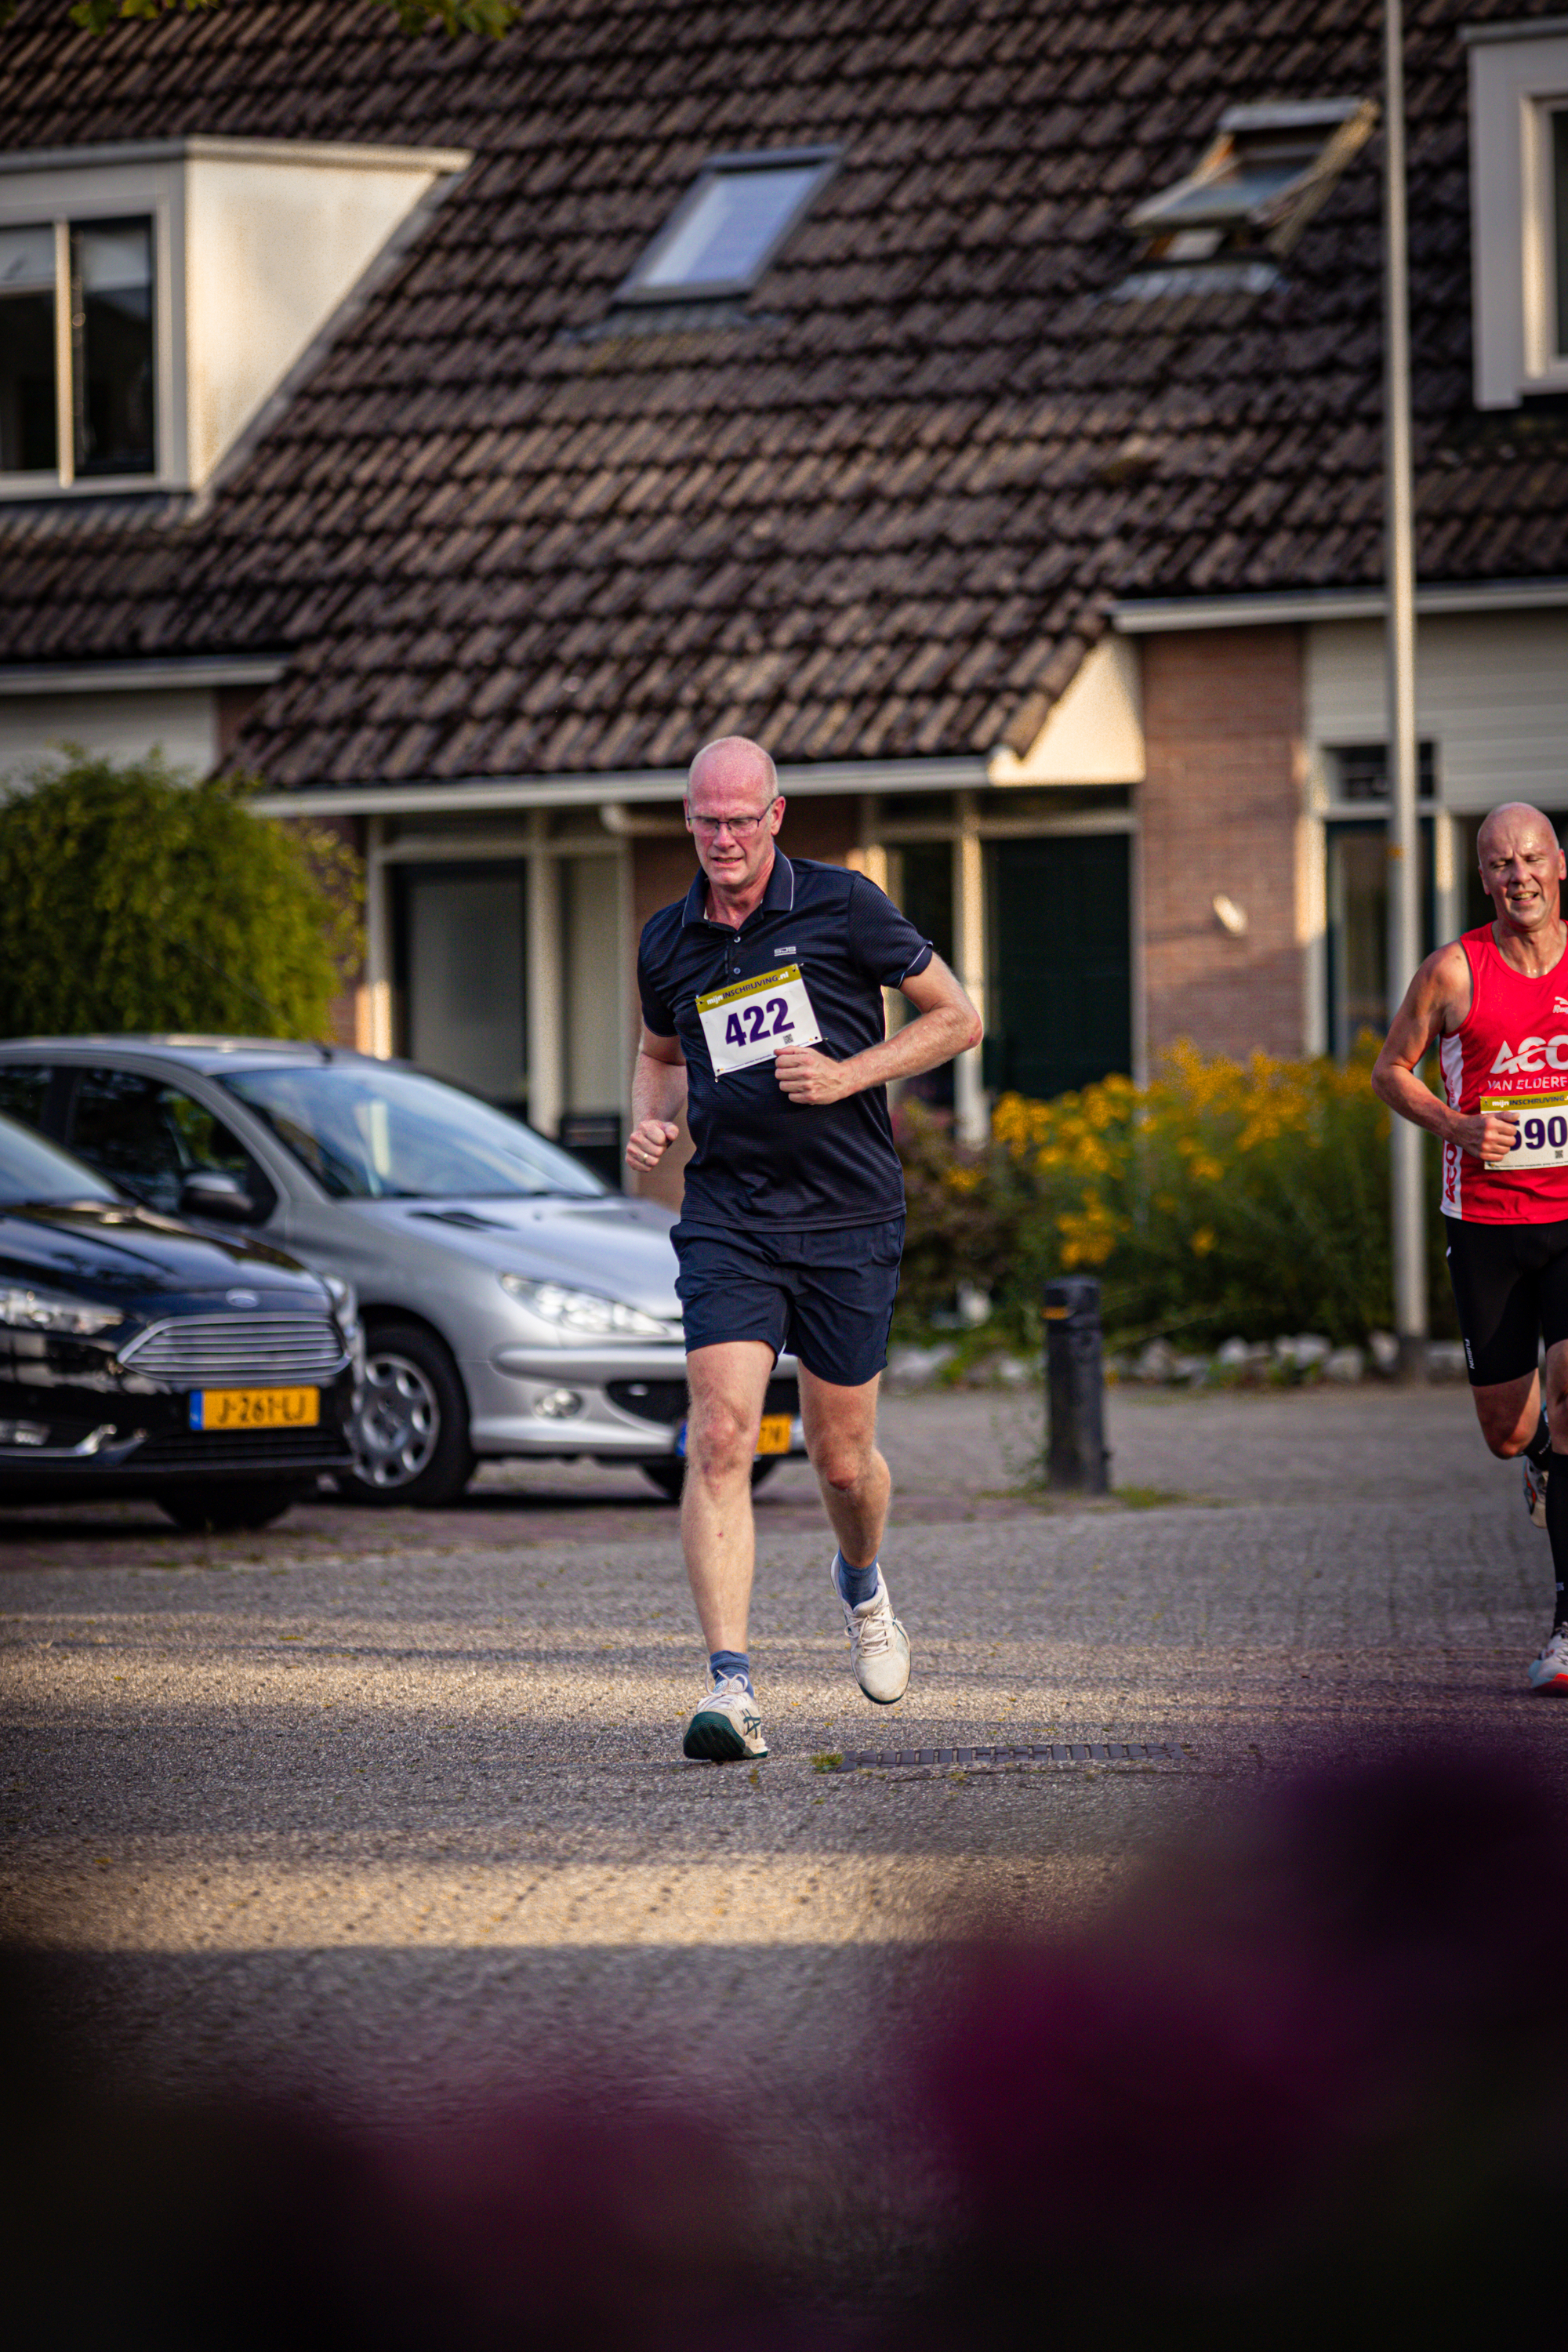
pixel 1094 734
pixel 1491 692
pixel 273 244
pixel 182 720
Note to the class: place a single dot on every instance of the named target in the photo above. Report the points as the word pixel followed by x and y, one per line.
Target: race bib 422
pixel 749 1021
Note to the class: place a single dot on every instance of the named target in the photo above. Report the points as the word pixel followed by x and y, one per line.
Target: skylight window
pixel 729 225
pixel 1258 183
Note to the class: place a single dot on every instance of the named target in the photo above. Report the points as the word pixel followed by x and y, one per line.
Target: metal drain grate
pixel 1062 1751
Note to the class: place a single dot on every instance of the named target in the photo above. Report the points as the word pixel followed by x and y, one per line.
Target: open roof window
pixel 1256 184
pixel 729 225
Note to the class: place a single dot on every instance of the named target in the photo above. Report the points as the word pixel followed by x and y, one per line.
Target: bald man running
pixel 761 997
pixel 1495 1003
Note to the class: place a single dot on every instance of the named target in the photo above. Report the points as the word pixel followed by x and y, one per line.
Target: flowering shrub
pixel 1223 1197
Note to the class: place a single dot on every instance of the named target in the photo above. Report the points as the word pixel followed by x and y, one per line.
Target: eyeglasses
pixel 740 828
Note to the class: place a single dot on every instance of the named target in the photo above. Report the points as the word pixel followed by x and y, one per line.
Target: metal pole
pixel 1403 824
pixel 1075 1386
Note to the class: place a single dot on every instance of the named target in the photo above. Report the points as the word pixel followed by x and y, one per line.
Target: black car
pixel 138 1357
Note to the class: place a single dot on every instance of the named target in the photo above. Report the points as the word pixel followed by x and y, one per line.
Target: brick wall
pixel 1223 717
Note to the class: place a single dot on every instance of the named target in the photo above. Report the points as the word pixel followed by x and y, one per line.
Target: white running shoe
pixel 878 1646
pixel 727 1727
pixel 1535 1491
pixel 1549 1671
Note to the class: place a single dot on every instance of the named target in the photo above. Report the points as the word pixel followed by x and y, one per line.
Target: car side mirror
pixel 210 1194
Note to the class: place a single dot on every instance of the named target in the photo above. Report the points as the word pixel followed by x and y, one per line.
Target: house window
pixel 112 346
pixel 729 225
pixel 462 941
pixel 1356 971
pixel 1359 772
pixel 80 402
pixel 1256 184
pixel 1519 208
pixel 29 404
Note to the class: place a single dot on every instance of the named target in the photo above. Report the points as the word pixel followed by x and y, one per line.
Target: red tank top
pixel 1511 1048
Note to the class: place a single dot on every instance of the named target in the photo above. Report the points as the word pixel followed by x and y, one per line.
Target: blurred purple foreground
pixel 1295 2086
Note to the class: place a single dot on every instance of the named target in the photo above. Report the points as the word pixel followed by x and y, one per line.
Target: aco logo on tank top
pixel 1541 1134
pixel 1533 1054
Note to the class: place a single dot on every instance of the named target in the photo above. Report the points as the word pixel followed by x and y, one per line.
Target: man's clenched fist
pixel 808 1077
pixel 648 1143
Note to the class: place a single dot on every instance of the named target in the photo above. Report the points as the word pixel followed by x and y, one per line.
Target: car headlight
pixel 54 1310
pixel 583 1313
pixel 345 1306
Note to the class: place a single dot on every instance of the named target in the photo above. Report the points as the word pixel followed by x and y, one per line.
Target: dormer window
pixel 729 225
pixel 1519 208
pixel 154 294
pixel 76 348
pixel 1255 187
pixel 29 396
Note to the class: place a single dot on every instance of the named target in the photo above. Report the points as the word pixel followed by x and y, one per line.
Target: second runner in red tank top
pixel 1510 1052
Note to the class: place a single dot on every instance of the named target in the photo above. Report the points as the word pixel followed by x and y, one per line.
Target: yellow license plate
pixel 774 1435
pixel 256 1408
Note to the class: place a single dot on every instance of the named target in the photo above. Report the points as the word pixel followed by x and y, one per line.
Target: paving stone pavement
pixel 388 1808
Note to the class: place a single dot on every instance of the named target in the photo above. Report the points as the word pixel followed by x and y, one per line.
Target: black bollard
pixel 1075 1387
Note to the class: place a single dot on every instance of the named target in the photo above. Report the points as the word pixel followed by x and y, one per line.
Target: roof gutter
pixel 341 154
pixel 1144 615
pixel 140 676
pixel 624 787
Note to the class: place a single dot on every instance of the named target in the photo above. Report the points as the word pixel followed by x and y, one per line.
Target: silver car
pixel 512 1303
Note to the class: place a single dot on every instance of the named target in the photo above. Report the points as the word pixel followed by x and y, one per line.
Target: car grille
pixel 196 1350
pixel 666 1400
pixel 233 1449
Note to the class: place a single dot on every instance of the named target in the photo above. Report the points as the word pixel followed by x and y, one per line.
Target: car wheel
pixel 219 1511
pixel 411 1433
pixel 669 1476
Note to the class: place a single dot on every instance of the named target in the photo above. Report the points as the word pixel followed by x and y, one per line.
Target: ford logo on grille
pixel 243 1298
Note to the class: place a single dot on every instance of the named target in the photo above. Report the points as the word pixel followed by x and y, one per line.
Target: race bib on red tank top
pixel 1510 1054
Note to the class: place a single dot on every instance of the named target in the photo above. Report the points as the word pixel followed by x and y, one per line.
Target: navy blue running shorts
pixel 825 1297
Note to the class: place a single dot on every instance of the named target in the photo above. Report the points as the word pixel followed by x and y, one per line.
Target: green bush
pixel 1222 1198
pixel 133 899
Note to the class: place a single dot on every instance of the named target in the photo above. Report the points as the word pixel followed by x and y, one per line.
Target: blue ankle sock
pixel 856 1584
pixel 730 1662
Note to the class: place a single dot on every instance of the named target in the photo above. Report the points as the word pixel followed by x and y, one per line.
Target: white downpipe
pixel 972 1112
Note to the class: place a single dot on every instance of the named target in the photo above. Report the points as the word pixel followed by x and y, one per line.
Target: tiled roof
pixel 879 515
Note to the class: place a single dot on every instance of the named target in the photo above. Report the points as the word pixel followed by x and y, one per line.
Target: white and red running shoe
pixel 1535 1492
pixel 1549 1671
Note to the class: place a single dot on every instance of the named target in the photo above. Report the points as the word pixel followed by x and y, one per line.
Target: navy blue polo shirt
pixel 758 1155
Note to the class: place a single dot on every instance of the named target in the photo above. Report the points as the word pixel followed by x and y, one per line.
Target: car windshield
pixel 32 1170
pixel 376 1134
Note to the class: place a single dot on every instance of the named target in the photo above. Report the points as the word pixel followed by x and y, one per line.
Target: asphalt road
pixel 389 1808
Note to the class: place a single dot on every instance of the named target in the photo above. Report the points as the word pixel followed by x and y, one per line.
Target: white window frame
pixel 74 195
pixel 1518 79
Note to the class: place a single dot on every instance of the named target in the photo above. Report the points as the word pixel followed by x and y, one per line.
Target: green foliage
pixel 490 16
pixel 1222 1198
pixel 130 899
